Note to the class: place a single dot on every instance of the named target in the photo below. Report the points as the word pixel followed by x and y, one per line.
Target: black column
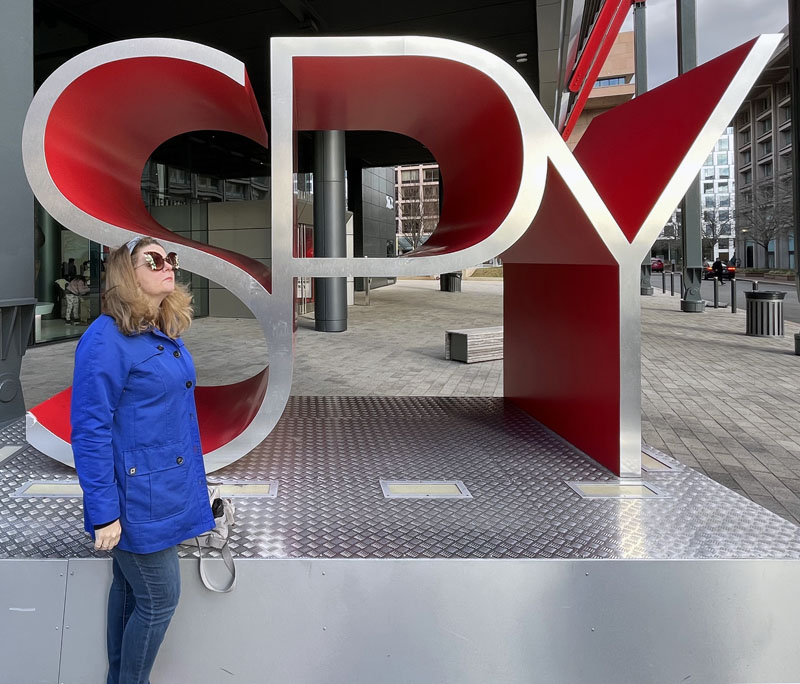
pixel 330 240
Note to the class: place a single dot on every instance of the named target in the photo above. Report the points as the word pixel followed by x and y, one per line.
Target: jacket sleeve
pixel 101 371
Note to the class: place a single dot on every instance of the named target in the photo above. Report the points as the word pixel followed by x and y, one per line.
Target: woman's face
pixel 154 284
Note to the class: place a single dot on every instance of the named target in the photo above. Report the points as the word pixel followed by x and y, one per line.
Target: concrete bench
pixel 474 344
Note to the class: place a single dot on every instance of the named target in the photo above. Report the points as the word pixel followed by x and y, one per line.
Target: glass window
pixel 771 254
pixel 722 157
pixel 745 157
pixel 766 170
pixel 747 177
pixel 606 82
pixel 410 192
pixel 410 176
pixel 235 191
pixel 709 160
pixel 725 200
pixel 709 201
pixel 791 251
pixel 708 187
pixel 431 175
pixel 722 145
pixel 708 172
pixel 722 186
pixel 724 172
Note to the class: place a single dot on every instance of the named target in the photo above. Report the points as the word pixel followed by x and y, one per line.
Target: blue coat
pixel 135 437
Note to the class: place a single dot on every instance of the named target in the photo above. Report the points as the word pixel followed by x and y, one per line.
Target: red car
pixel 656 265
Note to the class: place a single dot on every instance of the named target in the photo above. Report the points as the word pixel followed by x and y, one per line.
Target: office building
pixel 763 166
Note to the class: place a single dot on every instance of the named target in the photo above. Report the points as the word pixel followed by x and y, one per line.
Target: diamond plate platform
pixel 330 453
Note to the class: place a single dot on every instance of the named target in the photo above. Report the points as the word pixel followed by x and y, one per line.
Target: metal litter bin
pixel 450 282
pixel 764 313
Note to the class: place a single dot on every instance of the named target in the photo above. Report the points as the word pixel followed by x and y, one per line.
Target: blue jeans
pixel 143 597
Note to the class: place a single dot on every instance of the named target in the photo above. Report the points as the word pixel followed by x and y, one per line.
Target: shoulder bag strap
pixel 227 557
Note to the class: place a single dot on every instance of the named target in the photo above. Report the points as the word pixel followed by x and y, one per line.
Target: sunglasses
pixel 156 261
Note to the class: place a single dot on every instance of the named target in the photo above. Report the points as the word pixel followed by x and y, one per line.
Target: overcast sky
pixel 721 25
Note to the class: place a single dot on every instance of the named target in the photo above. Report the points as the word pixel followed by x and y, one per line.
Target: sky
pixel 721 26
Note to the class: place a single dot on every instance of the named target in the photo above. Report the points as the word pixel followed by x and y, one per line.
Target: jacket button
pixel 132 471
pixel 179 460
pixel 160 347
pixel 188 383
pixel 176 354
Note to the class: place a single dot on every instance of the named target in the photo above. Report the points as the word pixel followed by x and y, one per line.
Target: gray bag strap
pixel 227 557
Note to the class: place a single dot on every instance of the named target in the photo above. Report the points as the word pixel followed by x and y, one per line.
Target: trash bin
pixel 450 282
pixel 764 313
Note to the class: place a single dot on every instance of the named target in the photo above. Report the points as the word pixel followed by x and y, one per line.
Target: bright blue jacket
pixel 135 437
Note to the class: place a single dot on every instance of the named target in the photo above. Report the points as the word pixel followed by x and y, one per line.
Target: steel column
pixel 330 294
pixel 691 240
pixel 640 56
pixel 16 222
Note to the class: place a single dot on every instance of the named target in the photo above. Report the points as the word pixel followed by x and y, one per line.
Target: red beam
pixel 595 42
pixel 602 55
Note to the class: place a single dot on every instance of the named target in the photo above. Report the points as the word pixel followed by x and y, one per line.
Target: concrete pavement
pixel 719 401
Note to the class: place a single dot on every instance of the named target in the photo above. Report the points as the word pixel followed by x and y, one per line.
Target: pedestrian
pixel 137 448
pixel 718 269
pixel 73 291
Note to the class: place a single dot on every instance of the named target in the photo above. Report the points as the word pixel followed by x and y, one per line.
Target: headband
pixel 132 244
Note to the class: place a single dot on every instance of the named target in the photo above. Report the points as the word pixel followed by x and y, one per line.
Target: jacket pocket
pixel 156 482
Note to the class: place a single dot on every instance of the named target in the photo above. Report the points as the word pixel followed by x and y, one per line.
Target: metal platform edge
pixel 426 620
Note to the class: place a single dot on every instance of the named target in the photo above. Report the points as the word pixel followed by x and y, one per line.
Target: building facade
pixel 718 198
pixel 763 170
pixel 717 206
pixel 614 85
pixel 416 204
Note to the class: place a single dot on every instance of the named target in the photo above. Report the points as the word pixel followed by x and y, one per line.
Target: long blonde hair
pixel 125 302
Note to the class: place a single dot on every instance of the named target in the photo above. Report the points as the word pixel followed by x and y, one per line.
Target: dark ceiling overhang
pixel 242 28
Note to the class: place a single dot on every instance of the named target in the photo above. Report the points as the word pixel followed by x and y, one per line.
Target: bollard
pixel 367 283
pixel 663 283
pixel 716 293
pixel 733 295
pixel 755 285
pixel 672 283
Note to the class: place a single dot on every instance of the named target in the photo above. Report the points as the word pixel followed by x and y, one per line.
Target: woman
pixel 137 448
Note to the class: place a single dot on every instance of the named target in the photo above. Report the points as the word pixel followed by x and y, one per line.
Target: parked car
pixel 728 271
pixel 656 265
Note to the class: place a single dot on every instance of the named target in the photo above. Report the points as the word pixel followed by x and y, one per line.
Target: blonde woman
pixel 137 448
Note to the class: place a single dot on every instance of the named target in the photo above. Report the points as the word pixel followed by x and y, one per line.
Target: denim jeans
pixel 143 597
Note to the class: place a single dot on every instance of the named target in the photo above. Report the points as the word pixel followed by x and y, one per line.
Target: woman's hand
pixel 106 538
